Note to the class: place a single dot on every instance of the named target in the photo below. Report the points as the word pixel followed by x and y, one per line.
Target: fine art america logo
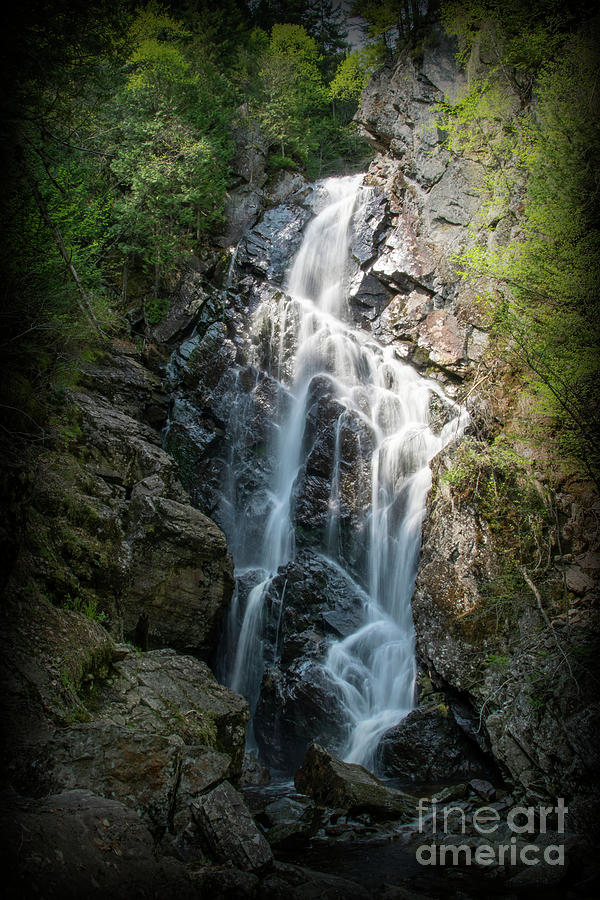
pixel 509 851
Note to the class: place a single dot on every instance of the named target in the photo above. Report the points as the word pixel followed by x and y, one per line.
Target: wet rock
pixel 368 296
pixel 230 830
pixel 429 746
pixel 333 490
pixel 253 773
pixel 310 602
pixel 349 786
pixel 294 707
pixel 204 363
pixel 194 438
pixel 289 822
pixel 318 596
pixel 485 789
pixel 368 225
pixel 268 247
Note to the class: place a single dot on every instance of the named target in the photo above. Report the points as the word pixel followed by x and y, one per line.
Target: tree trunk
pixel 124 283
pixel 83 301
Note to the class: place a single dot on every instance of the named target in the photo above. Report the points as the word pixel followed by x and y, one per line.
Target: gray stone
pixel 368 225
pixel 168 694
pixel 268 247
pixel 485 789
pixel 348 786
pixel 405 260
pixel 298 701
pixel 429 746
pixel 444 337
pixel 230 831
pixel 180 574
pixel 289 821
pixel 243 208
pixel 75 844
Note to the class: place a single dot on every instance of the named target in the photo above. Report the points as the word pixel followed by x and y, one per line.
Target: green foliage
pixel 89 607
pixel 393 23
pixel 117 152
pixel 171 147
pixel 497 660
pixel 533 123
pixel 295 110
pixel 353 73
pixel 496 481
pixel 156 310
pixel 293 90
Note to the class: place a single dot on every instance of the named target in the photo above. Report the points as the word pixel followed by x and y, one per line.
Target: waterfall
pixel 373 669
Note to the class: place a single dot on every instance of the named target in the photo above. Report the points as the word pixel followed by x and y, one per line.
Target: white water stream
pixel 373 670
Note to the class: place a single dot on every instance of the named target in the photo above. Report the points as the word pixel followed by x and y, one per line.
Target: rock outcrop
pixel 482 631
pixel 124 741
pixel 110 525
pixel 486 638
pixel 230 830
pixel 162 731
pixel 75 844
pixel 348 786
pixel 310 602
pixel 428 746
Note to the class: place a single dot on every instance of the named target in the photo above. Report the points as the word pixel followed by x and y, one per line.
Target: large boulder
pixel 230 831
pixel 169 694
pixel 294 708
pixel 47 658
pixel 128 384
pixel 311 602
pixel 179 573
pixel 289 821
pixel 75 844
pixel 429 746
pixel 349 786
pixel 164 732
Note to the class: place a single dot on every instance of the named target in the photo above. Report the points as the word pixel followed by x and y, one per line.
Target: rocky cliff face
pixel 403 287
pixel 513 667
pixel 110 547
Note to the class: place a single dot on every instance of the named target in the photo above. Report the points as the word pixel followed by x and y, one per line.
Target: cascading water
pixel 373 669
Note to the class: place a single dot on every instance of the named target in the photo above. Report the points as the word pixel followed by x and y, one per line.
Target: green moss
pixel 195 727
pixel 497 482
